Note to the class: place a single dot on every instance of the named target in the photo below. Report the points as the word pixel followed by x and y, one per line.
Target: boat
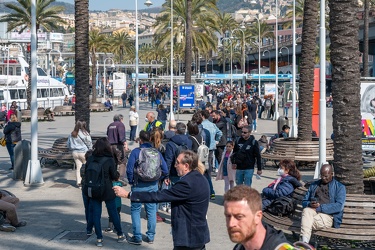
pixel 14 80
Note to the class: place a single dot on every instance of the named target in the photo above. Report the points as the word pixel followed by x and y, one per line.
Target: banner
pixel 186 96
pixel 368 115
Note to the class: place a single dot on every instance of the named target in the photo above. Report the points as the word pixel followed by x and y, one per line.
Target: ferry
pixel 14 79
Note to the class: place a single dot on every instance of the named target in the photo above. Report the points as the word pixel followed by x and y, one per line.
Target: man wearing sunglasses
pixel 246 152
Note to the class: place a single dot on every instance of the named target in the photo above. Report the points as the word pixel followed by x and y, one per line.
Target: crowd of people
pixel 182 158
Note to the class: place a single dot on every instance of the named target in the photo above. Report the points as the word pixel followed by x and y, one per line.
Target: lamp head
pixel 148 3
pixel 253 2
pixel 61 59
pixel 113 65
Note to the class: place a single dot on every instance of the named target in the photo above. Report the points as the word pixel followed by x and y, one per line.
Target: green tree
pixel 97 42
pixel 47 17
pixel 343 34
pixel 82 88
pixel 121 43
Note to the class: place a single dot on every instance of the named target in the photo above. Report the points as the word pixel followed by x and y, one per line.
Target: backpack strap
pixel 197 140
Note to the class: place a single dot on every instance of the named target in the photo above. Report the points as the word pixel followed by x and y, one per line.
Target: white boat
pixel 14 80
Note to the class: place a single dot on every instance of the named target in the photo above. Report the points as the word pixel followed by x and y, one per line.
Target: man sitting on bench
pixel 8 204
pixel 323 204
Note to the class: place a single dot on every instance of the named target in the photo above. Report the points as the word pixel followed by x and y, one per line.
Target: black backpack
pixel 94 182
pixel 282 206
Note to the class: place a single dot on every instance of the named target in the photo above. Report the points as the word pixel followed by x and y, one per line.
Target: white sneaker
pixel 164 208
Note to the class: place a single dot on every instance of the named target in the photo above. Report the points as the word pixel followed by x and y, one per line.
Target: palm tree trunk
pixel 188 52
pixel 306 83
pixel 365 37
pixel 346 94
pixel 93 78
pixel 82 89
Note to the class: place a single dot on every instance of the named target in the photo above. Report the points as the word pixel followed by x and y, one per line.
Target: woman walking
pixel 79 142
pixel 12 133
pixel 133 122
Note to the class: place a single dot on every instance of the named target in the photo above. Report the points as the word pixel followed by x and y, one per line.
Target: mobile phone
pixel 313 200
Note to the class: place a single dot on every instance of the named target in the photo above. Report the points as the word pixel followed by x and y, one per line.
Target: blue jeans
pixel 10 148
pixel 244 177
pixel 286 109
pixel 95 213
pixel 133 130
pixel 254 124
pixel 150 208
pixel 208 177
pixel 124 103
pixel 164 123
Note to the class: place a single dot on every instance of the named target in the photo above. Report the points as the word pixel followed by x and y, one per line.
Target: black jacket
pixel 171 151
pixel 252 153
pixel 12 132
pixel 222 125
pixel 109 168
pixel 273 239
pixel 189 199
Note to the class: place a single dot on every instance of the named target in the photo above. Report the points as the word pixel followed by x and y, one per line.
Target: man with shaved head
pixel 151 122
pixel 323 204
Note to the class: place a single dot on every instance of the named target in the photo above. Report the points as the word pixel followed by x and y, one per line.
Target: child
pixel 226 172
pixel 117 182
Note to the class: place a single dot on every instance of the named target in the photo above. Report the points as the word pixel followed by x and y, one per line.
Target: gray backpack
pixel 148 167
pixel 202 151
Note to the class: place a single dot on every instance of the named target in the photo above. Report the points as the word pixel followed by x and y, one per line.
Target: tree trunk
pixel 306 83
pixel 188 52
pixel 82 88
pixel 365 37
pixel 93 78
pixel 344 28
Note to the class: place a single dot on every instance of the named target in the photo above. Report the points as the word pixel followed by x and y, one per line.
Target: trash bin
pixel 283 120
pixel 22 155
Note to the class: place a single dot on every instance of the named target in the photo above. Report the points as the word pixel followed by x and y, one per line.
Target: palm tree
pixel 47 17
pixel 121 44
pixel 306 83
pixel 97 42
pixel 82 88
pixel 343 34
pixel 201 11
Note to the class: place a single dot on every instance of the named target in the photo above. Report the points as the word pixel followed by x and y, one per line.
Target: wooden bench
pixel 291 148
pixel 60 152
pixel 98 107
pixel 63 110
pixel 358 220
pixel 26 114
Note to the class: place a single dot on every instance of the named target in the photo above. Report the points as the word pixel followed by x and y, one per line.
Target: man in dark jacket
pixel 142 186
pixel 124 96
pixel 323 204
pixel 247 153
pixel 243 213
pixel 116 137
pixel 172 148
pixel 221 123
pixel 189 199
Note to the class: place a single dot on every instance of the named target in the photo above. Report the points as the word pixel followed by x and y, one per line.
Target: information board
pixel 186 96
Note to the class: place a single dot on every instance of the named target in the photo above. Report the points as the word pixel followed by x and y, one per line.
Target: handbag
pixel 3 141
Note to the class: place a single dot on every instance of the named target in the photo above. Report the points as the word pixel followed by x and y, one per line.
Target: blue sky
pixel 117 4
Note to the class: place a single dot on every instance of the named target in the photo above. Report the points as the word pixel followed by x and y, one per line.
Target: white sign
pixel 119 83
pixel 199 91
pixel 270 89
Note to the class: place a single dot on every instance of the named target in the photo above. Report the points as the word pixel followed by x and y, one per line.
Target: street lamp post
pixel 231 60
pixel 156 69
pixel 281 51
pixel 294 123
pixel 212 65
pixel 148 3
pixel 276 62
pixel 259 60
pixel 162 60
pixel 97 74
pixel 171 115
pixel 243 58
pixel 53 74
pixel 104 75
pixel 269 59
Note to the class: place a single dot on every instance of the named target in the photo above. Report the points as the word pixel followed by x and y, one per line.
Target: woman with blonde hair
pixel 79 142
pixel 133 122
pixel 12 133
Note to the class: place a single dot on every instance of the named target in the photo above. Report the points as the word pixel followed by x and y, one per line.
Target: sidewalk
pixel 54 212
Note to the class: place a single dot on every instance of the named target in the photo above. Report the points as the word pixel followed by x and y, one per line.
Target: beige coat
pixel 231 171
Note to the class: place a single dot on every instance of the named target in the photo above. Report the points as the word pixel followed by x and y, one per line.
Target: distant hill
pixel 223 5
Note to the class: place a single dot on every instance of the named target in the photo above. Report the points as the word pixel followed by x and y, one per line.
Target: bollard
pixel 22 155
pixel 283 120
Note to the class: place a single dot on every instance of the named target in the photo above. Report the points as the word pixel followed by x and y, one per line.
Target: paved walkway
pixel 54 212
